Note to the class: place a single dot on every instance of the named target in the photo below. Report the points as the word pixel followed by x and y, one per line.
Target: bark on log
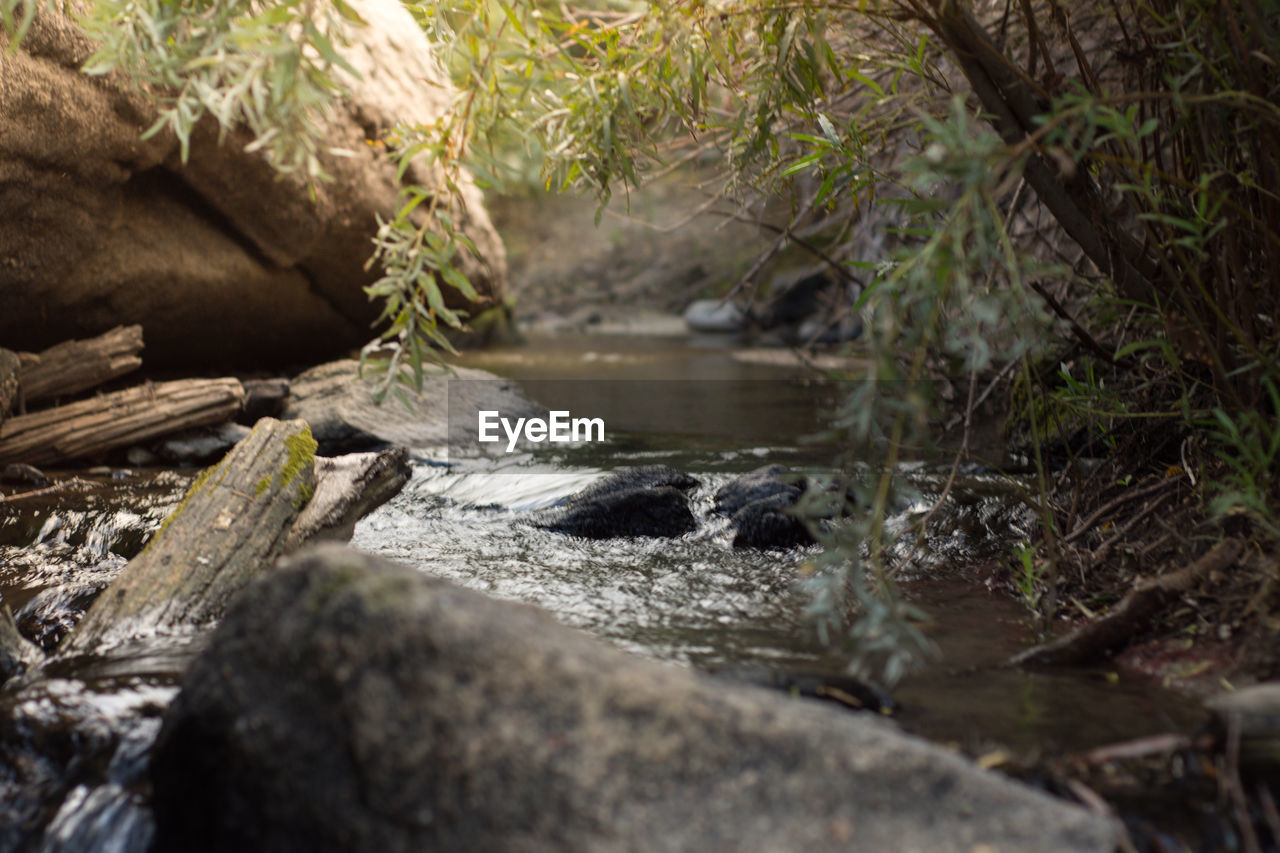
pixel 232 524
pixel 347 489
pixel 78 365
pixel 9 368
pixel 1131 615
pixel 93 426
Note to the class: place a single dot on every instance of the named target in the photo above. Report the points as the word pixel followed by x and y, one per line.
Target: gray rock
pixel 198 446
pixel 714 315
pixel 765 482
pixel 18 472
pixel 263 398
pixel 767 524
pixel 338 404
pixel 348 703
pixel 221 259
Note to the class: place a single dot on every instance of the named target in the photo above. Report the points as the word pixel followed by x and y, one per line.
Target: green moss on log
pixel 196 485
pixel 302 456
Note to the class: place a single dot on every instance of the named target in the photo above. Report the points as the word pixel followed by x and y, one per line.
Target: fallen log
pixel 232 523
pixel 347 489
pixel 1131 615
pixel 75 366
pixel 9 367
pixel 119 419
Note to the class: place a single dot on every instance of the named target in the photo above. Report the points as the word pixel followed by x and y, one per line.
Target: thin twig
pixel 35 493
pixel 1132 495
pixel 1076 329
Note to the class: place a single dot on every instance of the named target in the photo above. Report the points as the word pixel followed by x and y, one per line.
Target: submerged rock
pixel 657 512
pixel 349 703
pixel 640 477
pixel 647 500
pixel 767 523
pixel 765 482
pixel 758 502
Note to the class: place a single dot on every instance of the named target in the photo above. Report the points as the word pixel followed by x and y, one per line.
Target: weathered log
pixel 119 419
pixel 232 523
pixel 78 365
pixel 9 367
pixel 1131 615
pixel 347 489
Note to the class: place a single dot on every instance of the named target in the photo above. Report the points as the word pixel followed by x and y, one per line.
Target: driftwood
pixel 78 365
pixel 347 489
pixel 231 525
pixel 1131 615
pixel 93 426
pixel 9 367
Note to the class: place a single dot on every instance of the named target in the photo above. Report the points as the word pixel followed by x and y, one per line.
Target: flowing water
pixel 73 746
pixel 714 411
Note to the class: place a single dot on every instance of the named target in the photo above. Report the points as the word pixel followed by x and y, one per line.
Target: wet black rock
pixel 767 523
pixel 640 477
pixel 758 503
pixel 648 500
pixel 661 511
pixel 349 703
pixel 766 482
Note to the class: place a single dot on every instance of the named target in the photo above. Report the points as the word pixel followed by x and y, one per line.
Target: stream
pixel 73 747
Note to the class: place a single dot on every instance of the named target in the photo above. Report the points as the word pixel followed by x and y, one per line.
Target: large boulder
pixel 338 402
pixel 349 703
pixel 220 260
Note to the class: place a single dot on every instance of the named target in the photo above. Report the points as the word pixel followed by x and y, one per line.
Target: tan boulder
pixel 220 260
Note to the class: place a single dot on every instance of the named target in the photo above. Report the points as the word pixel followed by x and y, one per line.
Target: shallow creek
pixel 73 748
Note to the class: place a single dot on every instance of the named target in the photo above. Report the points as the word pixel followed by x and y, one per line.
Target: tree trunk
pixel 232 524
pixel 99 424
pixel 77 365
